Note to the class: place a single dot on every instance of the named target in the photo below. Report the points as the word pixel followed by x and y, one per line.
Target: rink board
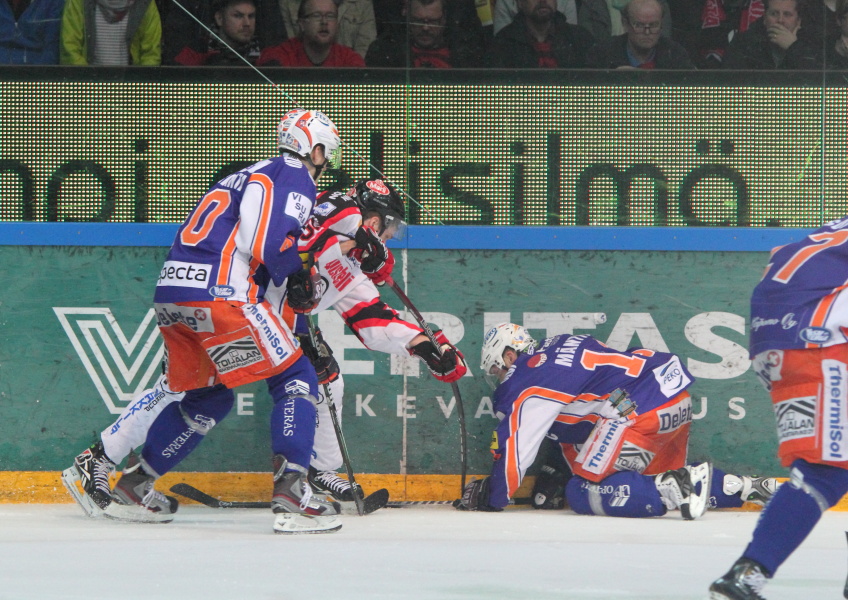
pixel 76 348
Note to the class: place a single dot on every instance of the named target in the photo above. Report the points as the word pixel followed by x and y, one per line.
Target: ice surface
pixel 434 552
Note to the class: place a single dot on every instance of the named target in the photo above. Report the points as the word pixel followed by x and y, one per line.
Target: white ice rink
pixel 54 551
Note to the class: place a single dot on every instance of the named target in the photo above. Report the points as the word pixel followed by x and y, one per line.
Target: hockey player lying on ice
pixel 619 419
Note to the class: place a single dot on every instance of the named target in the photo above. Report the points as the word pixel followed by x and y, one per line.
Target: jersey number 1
pixel 632 365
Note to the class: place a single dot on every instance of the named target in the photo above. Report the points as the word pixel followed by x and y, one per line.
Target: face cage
pixel 393 228
pixel 494 376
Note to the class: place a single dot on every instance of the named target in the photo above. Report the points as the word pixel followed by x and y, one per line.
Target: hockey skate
pixel 757 490
pixel 328 482
pixel 137 501
pixel 90 471
pixel 744 581
pixel 679 489
pixel 295 509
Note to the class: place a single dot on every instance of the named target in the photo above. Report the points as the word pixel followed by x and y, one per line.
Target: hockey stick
pixel 192 493
pixel 460 410
pixel 845 590
pixel 337 427
pixel 375 501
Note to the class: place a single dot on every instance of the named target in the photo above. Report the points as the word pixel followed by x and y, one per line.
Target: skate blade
pixel 296 523
pixel 71 481
pixel 135 514
pixel 698 502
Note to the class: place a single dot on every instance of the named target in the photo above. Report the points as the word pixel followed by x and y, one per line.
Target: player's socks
pixel 794 510
pixel 784 524
pixel 719 498
pixel 181 426
pixel 624 494
pixel 293 429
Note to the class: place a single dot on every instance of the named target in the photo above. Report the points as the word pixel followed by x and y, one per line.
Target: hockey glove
pixel 375 260
pixel 549 489
pixel 321 357
pixel 446 363
pixel 303 289
pixel 475 496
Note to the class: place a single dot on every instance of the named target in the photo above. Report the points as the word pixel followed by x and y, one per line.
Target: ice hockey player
pixel 620 419
pixel 221 332
pixel 799 345
pixel 341 228
pixel 345 234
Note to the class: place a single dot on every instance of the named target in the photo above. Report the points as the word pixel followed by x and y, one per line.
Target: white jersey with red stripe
pixel 241 236
pixel 346 288
pixel 801 301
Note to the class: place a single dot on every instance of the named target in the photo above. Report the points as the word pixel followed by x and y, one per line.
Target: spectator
pixel 721 20
pixel 316 46
pixel 773 42
pixel 505 11
pixel 357 26
pixel 818 20
pixel 426 41
pixel 603 18
pixel 29 31
pixel 111 32
pixel 837 46
pixel 183 32
pixel 641 46
pixel 539 37
pixel 235 24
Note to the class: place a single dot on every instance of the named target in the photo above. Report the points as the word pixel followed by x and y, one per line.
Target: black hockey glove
pixel 475 496
pixel 549 489
pixel 321 357
pixel 446 363
pixel 303 291
pixel 375 260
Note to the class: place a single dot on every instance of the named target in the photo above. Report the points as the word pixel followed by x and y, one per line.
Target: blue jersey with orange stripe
pixel 241 235
pixel 562 389
pixel 801 301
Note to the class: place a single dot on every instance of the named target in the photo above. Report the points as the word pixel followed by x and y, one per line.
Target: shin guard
pixel 181 426
pixel 623 494
pixel 794 510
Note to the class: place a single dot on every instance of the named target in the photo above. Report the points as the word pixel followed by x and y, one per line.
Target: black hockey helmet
pixel 379 196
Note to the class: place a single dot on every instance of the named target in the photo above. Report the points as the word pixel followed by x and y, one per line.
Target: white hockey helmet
pixel 499 338
pixel 302 130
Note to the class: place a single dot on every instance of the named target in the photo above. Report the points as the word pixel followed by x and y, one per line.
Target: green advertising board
pixel 80 337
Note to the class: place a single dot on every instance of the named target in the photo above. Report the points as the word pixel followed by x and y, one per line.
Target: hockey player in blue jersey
pixel 341 226
pixel 620 419
pixel 799 346
pixel 221 331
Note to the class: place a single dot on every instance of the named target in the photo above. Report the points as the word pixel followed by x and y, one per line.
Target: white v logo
pixel 121 367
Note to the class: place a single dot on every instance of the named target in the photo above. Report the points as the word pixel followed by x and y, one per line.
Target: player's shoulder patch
pixel 298 207
pixel 324 209
pixel 672 377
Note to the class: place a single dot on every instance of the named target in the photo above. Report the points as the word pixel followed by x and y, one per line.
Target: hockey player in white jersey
pixel 346 235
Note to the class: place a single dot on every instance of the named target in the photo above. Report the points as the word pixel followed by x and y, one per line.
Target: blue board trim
pixel 433 237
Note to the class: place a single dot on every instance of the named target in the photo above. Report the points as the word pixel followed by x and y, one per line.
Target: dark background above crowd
pixel 706 34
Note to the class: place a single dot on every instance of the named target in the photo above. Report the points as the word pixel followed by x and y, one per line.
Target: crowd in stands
pixel 510 34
